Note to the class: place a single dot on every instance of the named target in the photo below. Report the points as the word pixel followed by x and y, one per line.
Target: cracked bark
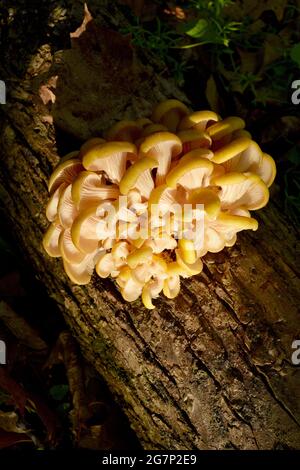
pixel 211 369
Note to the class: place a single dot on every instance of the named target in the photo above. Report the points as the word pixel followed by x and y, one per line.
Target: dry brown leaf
pixel 9 421
pixel 97 74
pixel 249 61
pixel 273 49
pixel 255 8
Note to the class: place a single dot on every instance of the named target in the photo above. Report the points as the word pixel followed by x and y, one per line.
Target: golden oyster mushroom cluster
pixel 113 204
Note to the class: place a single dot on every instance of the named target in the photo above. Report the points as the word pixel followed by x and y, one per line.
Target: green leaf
pixel 198 29
pixel 294 155
pixel 59 392
pixel 295 53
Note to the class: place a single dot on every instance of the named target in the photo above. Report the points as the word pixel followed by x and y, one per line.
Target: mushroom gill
pixel 146 204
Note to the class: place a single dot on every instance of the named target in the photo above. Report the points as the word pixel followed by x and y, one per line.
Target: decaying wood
pixel 211 369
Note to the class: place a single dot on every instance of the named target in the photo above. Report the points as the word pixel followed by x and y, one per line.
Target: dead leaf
pixel 82 28
pixel 99 73
pixel 249 61
pixel 273 49
pixel 9 421
pixel 46 95
pixel 20 328
pixel 255 8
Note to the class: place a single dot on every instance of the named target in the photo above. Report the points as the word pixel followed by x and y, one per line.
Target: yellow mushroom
pixel 180 185
pixel 110 158
pixel 138 176
pixel 169 113
pixel 163 146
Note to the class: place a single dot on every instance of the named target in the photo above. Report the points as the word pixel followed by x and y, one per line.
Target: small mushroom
pixel 124 131
pixel 89 144
pixel 191 174
pixel 171 286
pixel 89 189
pixel 138 176
pixel 265 169
pixel 169 113
pixel 163 146
pixel 242 190
pixel 199 120
pixel 81 273
pixel 68 250
pixel 88 230
pixel 51 208
pixel 50 240
pixel 193 139
pixel 66 208
pixel 64 172
pixel 110 158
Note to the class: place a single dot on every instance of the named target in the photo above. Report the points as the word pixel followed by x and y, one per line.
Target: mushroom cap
pixel 209 199
pixel 197 153
pixel 80 273
pixel 244 161
pixel 66 208
pixel 163 146
pixel 84 231
pixel 225 127
pixel 190 173
pixel 139 256
pixel 110 158
pixel 193 139
pixel 131 289
pixel 50 240
pixel 162 198
pixel 64 172
pixel 127 131
pixel 231 150
pixel 51 208
pixel 153 128
pixel 235 223
pixel 89 144
pixel 171 286
pixel 169 113
pixel 189 269
pixel 88 189
pixel 135 175
pixel 143 122
pixel 265 169
pixel 105 265
pixel 68 250
pixel 198 120
pixel 187 250
pixel 242 190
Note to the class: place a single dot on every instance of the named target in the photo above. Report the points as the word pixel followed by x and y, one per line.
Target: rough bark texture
pixel 211 369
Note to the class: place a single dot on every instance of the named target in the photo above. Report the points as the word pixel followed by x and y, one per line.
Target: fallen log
pixel 211 369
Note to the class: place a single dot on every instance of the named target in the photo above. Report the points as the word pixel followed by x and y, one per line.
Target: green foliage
pixel 295 53
pixel 59 392
pixel 212 27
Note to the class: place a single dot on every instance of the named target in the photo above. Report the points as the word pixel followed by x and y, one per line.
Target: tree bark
pixel 211 369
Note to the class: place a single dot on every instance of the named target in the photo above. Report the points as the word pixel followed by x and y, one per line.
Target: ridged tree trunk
pixel 211 369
